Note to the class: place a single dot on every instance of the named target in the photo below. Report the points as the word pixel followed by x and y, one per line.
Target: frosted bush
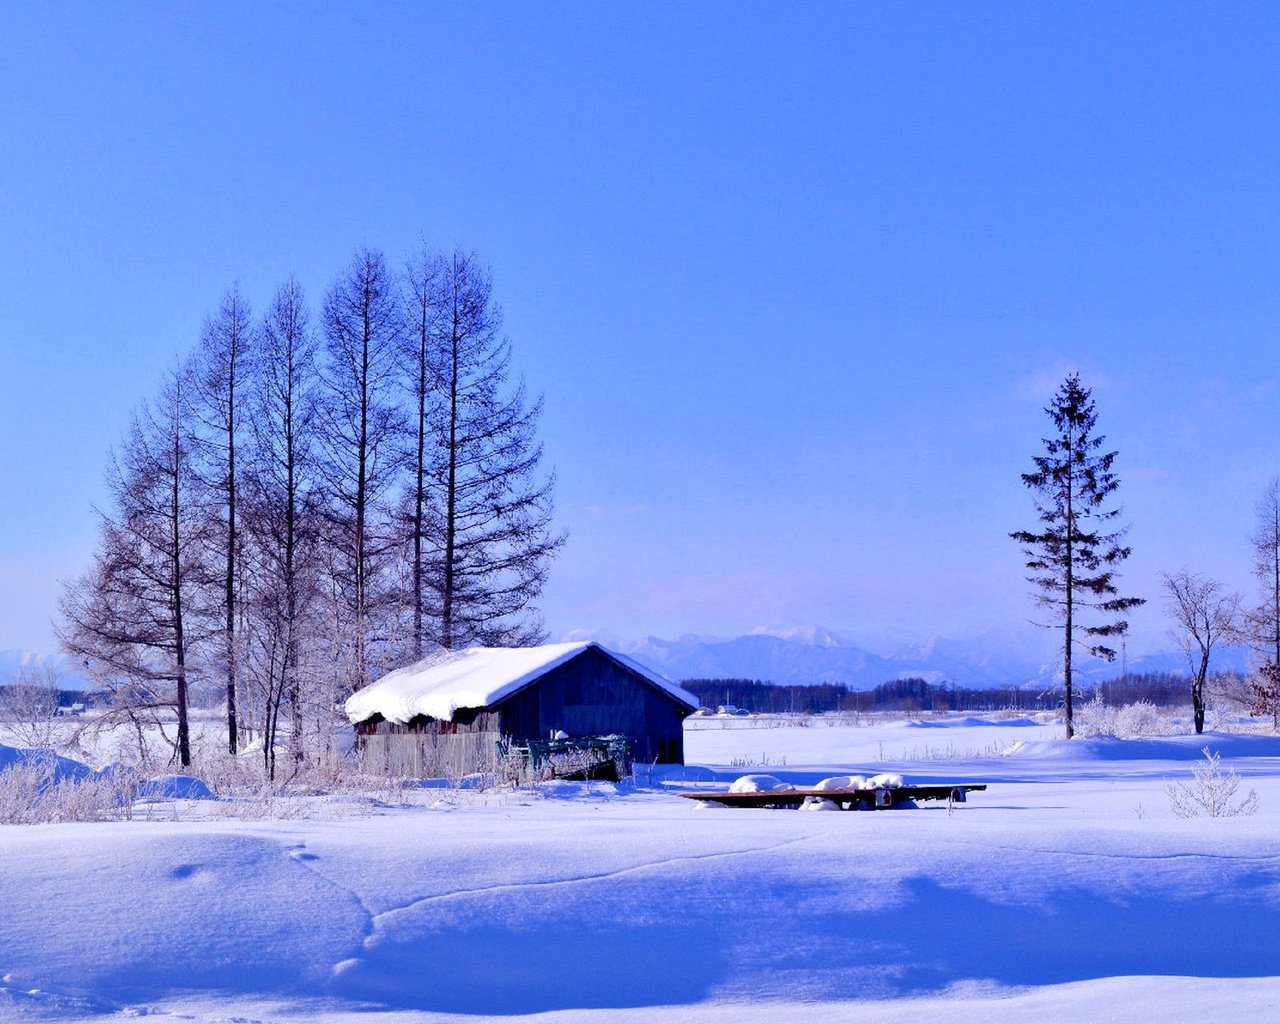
pixel 1129 721
pixel 1211 792
pixel 1094 718
pixel 1141 718
pixel 36 791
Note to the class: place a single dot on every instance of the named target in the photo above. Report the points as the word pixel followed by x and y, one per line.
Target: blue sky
pixel 796 280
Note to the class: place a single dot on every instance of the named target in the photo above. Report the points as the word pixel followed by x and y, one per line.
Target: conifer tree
pixel 1074 551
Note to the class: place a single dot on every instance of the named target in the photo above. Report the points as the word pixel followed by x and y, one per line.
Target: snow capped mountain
pixel 814 654
pixel 15 664
pixel 815 636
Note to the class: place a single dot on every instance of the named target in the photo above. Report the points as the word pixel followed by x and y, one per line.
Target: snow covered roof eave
pixel 660 682
pixel 403 695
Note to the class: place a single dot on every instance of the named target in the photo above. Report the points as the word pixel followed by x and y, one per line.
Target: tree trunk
pixel 1197 691
pixel 451 498
pixel 179 634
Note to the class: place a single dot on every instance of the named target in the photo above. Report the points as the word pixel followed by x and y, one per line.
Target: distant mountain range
pixel 14 665
pixel 816 655
pixel 812 654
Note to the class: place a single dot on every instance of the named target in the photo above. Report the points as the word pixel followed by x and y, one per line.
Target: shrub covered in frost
pixel 1141 718
pixel 1094 718
pixel 1211 793
pixel 1129 721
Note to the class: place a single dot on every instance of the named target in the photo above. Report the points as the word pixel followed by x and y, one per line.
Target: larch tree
pixel 134 619
pixel 361 426
pixel 425 319
pixel 1204 615
pixel 281 518
pixel 221 390
pixel 1075 549
pixel 493 539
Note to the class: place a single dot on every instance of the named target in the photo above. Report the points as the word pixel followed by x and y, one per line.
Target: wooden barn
pixel 448 711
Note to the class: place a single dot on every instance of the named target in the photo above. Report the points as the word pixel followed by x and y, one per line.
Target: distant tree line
pixel 314 496
pixel 1164 689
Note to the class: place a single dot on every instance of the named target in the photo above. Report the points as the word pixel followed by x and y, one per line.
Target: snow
pixel 759 784
pixel 438 685
pixel 174 787
pixel 842 782
pixel 1066 891
pixel 58 767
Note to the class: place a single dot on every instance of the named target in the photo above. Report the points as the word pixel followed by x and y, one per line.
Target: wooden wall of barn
pixel 593 695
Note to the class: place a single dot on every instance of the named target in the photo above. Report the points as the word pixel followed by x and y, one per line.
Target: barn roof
pixel 440 684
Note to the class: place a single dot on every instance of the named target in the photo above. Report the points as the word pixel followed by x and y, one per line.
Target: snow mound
pixel 117 771
pixel 1161 748
pixel 175 787
pixel 887 780
pixel 60 768
pixel 949 723
pixel 843 782
pixel 816 803
pixel 759 784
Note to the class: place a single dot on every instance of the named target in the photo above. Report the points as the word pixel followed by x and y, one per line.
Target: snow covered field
pixel 1068 891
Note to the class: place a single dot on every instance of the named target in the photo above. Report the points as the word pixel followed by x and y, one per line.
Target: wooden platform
pixel 848 799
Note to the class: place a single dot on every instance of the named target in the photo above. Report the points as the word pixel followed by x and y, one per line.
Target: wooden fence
pixel 436 751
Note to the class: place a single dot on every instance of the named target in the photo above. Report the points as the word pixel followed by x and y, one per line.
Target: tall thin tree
pixel 282 508
pixel 221 389
pixel 134 619
pixel 1073 553
pixel 493 504
pixel 361 425
pixel 425 319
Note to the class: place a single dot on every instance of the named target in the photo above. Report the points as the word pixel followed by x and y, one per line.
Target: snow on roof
pixel 440 684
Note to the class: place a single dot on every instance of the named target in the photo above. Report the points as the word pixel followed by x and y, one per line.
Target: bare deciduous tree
pixel 29 707
pixel 133 620
pixel 1204 615
pixel 221 386
pixel 493 506
pixel 297 511
pixel 361 425
pixel 424 322
pixel 282 512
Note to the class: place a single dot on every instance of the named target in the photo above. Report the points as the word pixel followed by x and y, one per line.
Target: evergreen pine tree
pixel 1073 554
